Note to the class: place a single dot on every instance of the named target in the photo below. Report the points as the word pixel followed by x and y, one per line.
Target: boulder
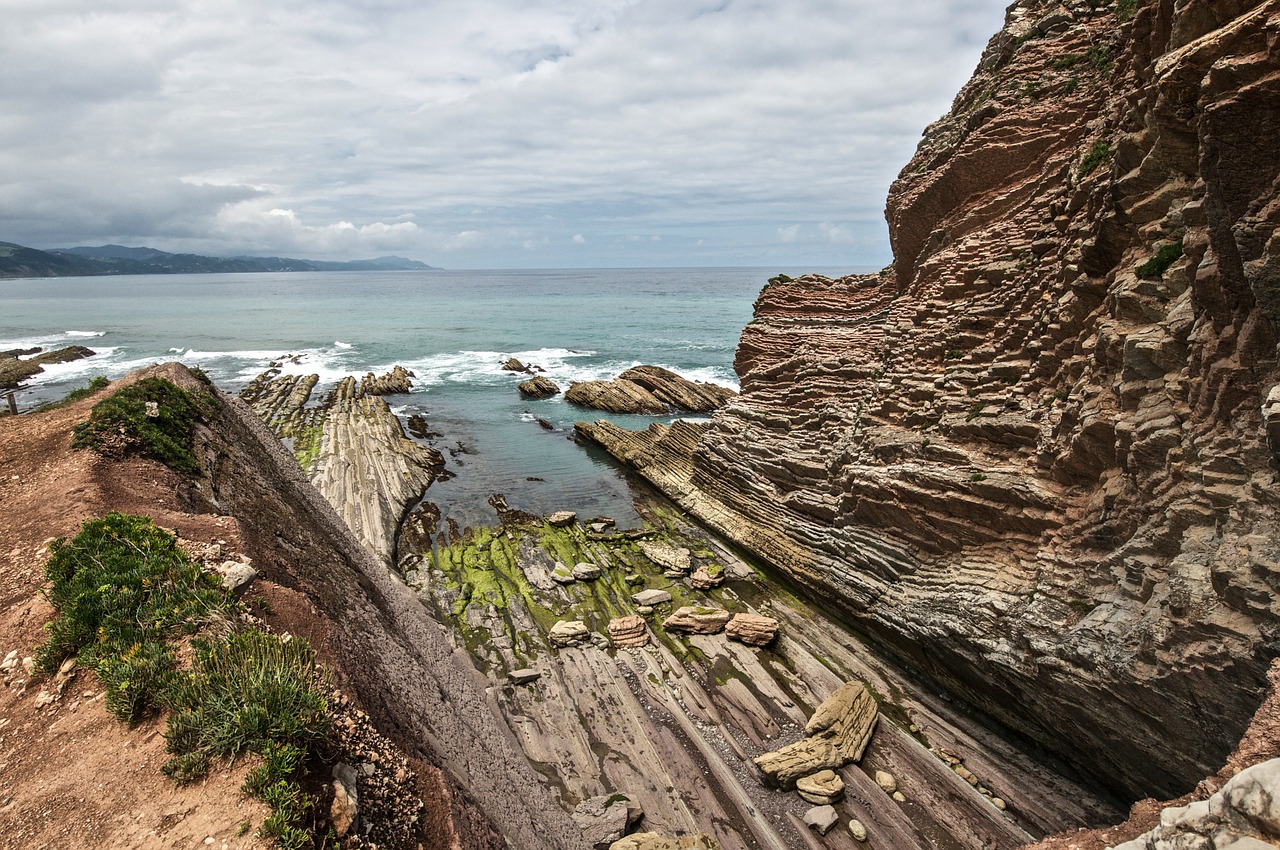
pixel 673 559
pixel 821 819
pixel 524 676
pixel 395 382
pixel 752 629
pixel 707 577
pixel 561 519
pixel 511 364
pixel 606 819
pixel 561 574
pixel 822 788
pixel 651 597
pixel 696 620
pixel 568 633
pixel 345 807
pixel 628 632
pixel 538 387
pixel 236 577
pixel 586 572
pixel 839 732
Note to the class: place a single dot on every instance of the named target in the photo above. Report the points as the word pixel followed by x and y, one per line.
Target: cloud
pixel 184 123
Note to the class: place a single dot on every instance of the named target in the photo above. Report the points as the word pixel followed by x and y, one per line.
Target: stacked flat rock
pixel 606 818
pixel 705 578
pixel 538 387
pixel 822 788
pixel 671 559
pixel 568 633
pixel 628 632
pixel 752 629
pixel 839 732
pixel 696 620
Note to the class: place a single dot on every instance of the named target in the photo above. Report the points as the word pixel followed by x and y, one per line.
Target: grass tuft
pixel 1159 264
pixel 153 418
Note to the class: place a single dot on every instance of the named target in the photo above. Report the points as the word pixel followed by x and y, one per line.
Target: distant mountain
pixel 21 261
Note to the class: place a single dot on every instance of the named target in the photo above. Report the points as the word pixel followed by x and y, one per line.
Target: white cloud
pixel 183 123
pixel 578 239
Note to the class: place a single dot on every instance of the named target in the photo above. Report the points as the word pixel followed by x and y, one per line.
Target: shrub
pixel 1159 264
pixel 1098 154
pixel 122 424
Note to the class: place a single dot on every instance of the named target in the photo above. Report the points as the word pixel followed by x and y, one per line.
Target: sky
pixel 476 134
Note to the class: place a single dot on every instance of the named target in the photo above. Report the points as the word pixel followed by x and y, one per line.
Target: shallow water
pixel 452 328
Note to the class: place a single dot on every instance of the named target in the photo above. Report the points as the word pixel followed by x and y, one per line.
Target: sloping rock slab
pixel 697 621
pixel 839 732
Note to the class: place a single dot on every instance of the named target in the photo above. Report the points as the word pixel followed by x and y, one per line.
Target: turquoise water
pixel 453 329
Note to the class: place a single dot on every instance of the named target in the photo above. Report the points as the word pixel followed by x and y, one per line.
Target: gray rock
pixel 561 519
pixel 236 577
pixel 857 830
pixel 651 597
pixel 586 572
pixel 606 819
pixel 524 676
pixel 562 574
pixel 568 633
pixel 345 807
pixel 821 819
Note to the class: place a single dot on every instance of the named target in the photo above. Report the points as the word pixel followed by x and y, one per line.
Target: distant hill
pixel 21 261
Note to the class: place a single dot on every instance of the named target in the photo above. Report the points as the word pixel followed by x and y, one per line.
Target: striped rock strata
pixel 1030 457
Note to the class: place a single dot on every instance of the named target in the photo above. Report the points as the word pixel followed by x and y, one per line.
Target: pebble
pixel 857 830
pixel 899 797
pixel 886 781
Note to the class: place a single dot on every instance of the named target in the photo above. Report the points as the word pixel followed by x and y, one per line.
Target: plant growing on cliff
pixel 1159 264
pixel 153 418
pixel 1098 154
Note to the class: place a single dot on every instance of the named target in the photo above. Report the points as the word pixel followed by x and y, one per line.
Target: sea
pixel 452 329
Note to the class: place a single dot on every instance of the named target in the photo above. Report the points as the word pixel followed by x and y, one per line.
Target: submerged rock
pixel 696 620
pixel 752 629
pixel 394 382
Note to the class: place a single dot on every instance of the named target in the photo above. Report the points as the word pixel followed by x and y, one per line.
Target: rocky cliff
pixel 1031 456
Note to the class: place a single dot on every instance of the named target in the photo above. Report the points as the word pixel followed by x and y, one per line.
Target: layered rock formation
pixel 648 389
pixel 352 447
pixel 1030 457
pixel 16 365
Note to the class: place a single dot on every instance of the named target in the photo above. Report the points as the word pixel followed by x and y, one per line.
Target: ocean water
pixel 453 329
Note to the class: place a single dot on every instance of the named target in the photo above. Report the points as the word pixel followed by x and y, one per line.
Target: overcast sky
pixel 476 134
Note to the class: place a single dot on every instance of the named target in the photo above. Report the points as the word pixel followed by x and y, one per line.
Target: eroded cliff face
pixel 1038 474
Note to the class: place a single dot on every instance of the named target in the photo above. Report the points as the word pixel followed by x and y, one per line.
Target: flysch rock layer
pixel 648 389
pixel 1026 458
pixel 352 447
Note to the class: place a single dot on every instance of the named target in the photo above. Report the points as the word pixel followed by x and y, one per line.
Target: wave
pixel 84 333
pixel 343 345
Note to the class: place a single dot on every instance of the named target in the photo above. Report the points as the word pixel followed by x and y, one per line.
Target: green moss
pixel 1159 264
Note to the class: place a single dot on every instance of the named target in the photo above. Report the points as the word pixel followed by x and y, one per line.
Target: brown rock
pixel 696 620
pixel 752 629
pixel 839 732
pixel 706 578
pixel 822 788
pixel 648 389
pixel 538 387
pixel 628 632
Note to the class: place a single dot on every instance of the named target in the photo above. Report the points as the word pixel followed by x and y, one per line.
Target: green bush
pixel 1098 154
pixel 1159 264
pixel 119 424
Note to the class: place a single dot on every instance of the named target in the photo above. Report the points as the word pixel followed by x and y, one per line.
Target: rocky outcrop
pixel 838 733
pixel 395 382
pixel 353 449
pixel 16 365
pixel 648 389
pixel 606 818
pixel 539 387
pixel 1030 457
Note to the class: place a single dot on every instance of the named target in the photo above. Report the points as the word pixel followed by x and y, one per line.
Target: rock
pixel 524 676
pixel 628 632
pixel 752 629
pixel 561 519
pixel 14 370
pixel 236 577
pixel 648 389
pixel 656 841
pixel 821 819
pixel 857 830
pixel 1271 419
pixel 898 797
pixel 395 382
pixel 822 788
pixel 644 610
pixel 839 732
pixel 511 364
pixel 345 807
pixel 538 387
pixel 10 662
pixel 568 633
pixel 706 578
pixel 888 784
pixel 697 620
pixel 561 574
pixel 586 572
pixel 1245 810
pixel 999 803
pixel 651 597
pixel 668 558
pixel 606 819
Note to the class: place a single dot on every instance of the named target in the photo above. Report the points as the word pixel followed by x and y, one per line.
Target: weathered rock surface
pixel 586 572
pixel 561 519
pixel 1245 814
pixel 752 629
pixel 821 819
pixel 538 387
pixel 628 632
pixel 822 788
pixel 569 633
pixel 673 559
pixel 606 818
pixel 395 382
pixel 838 731
pixel 353 449
pixel 697 620
pixel 16 365
pixel 657 841
pixel 1024 458
pixel 648 389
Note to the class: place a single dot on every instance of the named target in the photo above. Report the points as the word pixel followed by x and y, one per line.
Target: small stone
pixel 45 698
pixel 524 676
pixel 857 830
pixel 561 519
pixel 10 661
pixel 886 781
pixel 821 819
pixel 586 572
pixel 346 800
pixel 899 797
pixel 651 597
pixel 568 633
pixel 634 579
pixel 999 804
pixel 644 610
pixel 236 577
pixel 822 788
pixel 29 664
pixel 65 668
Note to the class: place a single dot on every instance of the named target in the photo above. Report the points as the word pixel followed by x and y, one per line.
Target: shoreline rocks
pixel 648 389
pixel 14 369
pixel 538 387
pixel 752 629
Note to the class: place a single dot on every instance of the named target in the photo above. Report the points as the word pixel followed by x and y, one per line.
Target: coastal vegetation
pixel 152 418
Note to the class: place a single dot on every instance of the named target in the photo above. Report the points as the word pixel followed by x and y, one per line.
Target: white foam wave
pixel 84 333
pixel 343 345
